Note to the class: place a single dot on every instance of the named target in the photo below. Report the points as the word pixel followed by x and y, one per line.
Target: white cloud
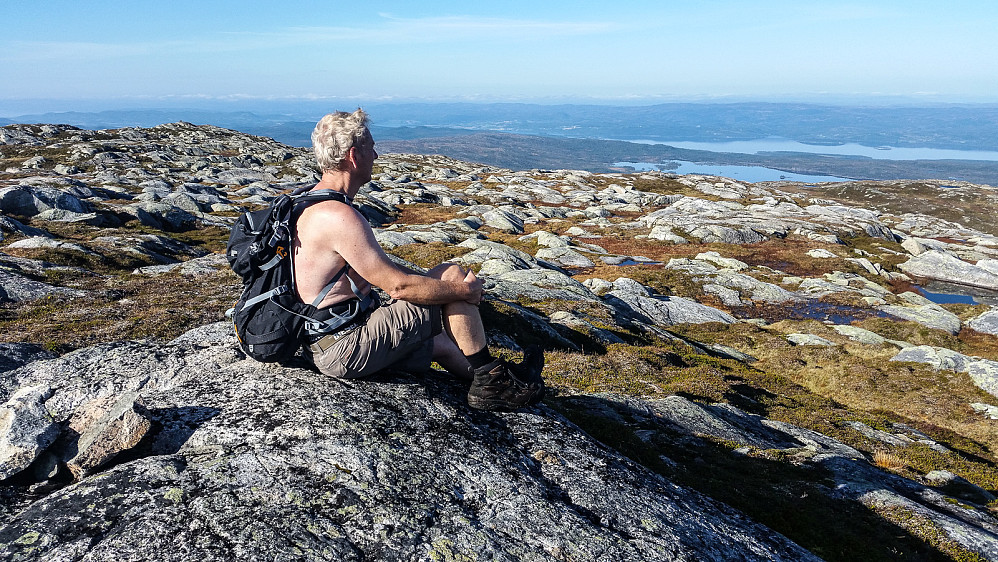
pixel 389 30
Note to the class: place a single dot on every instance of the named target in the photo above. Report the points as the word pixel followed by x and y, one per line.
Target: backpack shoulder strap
pixel 325 290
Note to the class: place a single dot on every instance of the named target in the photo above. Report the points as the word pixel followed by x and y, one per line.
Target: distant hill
pixel 959 127
pixel 521 152
pixel 523 136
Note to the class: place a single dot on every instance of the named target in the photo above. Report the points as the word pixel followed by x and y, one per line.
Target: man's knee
pixel 448 272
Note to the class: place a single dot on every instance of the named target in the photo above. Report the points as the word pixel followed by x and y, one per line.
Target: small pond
pixel 828 313
pixel 948 293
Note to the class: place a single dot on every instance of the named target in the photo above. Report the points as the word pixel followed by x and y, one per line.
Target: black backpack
pixel 270 320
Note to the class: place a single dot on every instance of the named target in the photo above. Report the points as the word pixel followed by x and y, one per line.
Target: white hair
pixel 335 133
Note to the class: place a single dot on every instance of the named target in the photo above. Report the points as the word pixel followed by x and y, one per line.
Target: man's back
pixel 321 230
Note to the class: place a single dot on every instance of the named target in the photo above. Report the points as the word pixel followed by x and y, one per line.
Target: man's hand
pixel 475 285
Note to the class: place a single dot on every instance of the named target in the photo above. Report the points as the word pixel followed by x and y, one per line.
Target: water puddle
pixel 944 298
pixel 624 260
pixel 825 312
pixel 948 293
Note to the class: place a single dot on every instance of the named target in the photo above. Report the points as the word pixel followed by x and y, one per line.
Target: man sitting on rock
pixel 431 316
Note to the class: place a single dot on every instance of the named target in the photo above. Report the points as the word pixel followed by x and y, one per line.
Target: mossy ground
pixel 770 486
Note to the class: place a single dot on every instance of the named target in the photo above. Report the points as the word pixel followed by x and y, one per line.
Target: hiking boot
pixel 529 370
pixel 498 387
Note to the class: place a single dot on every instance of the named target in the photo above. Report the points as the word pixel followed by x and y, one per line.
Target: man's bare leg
pixel 464 333
pixel 495 385
pixel 449 356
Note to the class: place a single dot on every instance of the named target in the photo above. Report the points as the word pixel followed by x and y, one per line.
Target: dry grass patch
pixel 428 255
pixel 424 213
pixel 529 246
pixel 127 308
pixel 968 342
pixel 888 460
pixel 863 378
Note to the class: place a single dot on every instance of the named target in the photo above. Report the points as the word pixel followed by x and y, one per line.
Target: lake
pixel 786 145
pixel 747 174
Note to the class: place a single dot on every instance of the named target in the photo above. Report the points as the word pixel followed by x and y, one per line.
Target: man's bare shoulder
pixel 330 224
pixel 330 213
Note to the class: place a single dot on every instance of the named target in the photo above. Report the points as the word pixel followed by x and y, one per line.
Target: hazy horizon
pixel 13 108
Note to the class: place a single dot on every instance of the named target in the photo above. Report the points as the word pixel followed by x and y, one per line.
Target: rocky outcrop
pixel 26 429
pixel 942 266
pixel 984 372
pixel 253 461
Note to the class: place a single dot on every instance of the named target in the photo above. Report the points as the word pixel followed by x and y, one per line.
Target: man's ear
pixel 351 157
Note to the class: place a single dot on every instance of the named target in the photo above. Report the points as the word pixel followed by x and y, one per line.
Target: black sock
pixel 480 359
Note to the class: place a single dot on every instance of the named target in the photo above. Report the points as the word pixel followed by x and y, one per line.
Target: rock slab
pixel 263 462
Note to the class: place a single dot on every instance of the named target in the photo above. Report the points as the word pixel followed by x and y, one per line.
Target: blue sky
pixel 503 50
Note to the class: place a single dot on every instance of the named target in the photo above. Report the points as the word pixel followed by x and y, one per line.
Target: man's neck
pixel 336 181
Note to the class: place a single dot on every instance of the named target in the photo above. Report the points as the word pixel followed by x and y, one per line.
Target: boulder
pixel 936 357
pixel 13 226
pixel 564 257
pixel 162 215
pixel 958 487
pixel 389 239
pixel 725 235
pixel 720 261
pixel 484 250
pixel 26 429
pixel 929 315
pixel 17 288
pixel 539 285
pixel 859 335
pixel 504 220
pixel 92 219
pixel 665 311
pixel 942 266
pixel 103 428
pixel 665 234
pixel 984 373
pixel 809 339
pixel 29 201
pixel 256 461
pixel 987 409
pixel 986 323
pixel 45 243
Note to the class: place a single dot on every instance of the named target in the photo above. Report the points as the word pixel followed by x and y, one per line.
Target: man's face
pixel 366 155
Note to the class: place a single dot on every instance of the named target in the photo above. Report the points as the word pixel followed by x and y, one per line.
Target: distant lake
pixel 785 145
pixel 748 174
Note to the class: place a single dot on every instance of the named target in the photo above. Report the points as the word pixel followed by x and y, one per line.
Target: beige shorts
pixel 398 335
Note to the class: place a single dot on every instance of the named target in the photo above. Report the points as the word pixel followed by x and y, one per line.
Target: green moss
pixel 176 495
pixel 428 255
pixel 31 537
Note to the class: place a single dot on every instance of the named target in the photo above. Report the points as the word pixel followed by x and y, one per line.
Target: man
pixel 430 316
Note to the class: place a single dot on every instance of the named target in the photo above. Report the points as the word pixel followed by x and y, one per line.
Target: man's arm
pixel 354 240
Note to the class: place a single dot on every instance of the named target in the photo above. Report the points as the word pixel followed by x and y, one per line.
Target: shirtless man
pixel 432 316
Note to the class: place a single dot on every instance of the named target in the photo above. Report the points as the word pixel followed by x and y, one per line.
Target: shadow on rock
pixel 819 493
